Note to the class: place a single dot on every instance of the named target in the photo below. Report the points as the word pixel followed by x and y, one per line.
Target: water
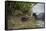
pixel 40 23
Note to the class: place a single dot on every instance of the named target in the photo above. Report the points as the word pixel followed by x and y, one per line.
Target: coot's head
pixel 23 19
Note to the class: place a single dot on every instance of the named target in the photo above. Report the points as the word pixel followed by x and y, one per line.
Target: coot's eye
pixel 23 19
